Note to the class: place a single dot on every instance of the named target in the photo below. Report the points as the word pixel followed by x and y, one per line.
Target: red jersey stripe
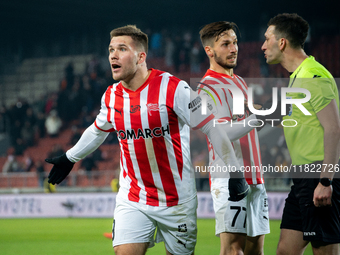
pixel 119 121
pixel 254 149
pixel 246 154
pixel 226 99
pixel 210 149
pixel 173 122
pixel 142 156
pixel 160 148
pixel 107 103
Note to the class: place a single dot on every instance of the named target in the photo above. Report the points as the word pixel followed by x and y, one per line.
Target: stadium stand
pixel 38 76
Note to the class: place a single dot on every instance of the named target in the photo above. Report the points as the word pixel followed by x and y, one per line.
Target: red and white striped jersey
pixel 247 148
pixel 152 125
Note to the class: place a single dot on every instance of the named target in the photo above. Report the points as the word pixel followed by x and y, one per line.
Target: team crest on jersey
pixel 134 108
pixel 152 107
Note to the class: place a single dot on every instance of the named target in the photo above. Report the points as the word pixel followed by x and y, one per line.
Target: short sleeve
pixel 321 92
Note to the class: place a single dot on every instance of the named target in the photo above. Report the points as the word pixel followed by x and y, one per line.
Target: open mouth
pixel 115 66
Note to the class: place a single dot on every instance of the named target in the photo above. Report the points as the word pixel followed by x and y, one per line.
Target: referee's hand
pixel 322 195
pixel 61 168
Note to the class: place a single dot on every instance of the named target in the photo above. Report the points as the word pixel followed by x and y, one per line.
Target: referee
pixel 312 209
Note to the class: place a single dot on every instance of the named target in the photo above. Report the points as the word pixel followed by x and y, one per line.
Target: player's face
pixel 271 49
pixel 123 58
pixel 225 50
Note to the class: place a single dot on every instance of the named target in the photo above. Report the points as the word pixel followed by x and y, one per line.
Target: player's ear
pixel 141 57
pixel 209 51
pixel 282 43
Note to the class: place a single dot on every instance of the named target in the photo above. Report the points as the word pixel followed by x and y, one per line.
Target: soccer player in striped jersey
pixel 241 225
pixel 312 209
pixel 151 112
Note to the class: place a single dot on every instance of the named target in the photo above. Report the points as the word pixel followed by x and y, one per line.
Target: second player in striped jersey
pixel 240 225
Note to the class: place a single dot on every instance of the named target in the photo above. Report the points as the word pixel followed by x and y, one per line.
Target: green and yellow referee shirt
pixel 305 140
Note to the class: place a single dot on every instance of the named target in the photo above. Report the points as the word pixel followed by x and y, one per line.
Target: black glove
pixel 238 187
pixel 62 167
pixel 275 115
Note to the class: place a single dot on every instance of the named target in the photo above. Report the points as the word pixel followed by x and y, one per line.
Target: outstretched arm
pixel 88 143
pixel 62 165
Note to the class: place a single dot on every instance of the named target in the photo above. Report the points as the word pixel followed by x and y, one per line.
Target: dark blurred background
pixel 38 28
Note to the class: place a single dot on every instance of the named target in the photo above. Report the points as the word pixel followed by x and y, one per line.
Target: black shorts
pixel 316 223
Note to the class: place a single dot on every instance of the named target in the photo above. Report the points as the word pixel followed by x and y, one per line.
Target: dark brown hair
pixel 139 37
pixel 214 31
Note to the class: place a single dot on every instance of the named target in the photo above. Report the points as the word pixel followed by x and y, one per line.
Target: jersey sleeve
pixel 321 92
pixel 103 120
pixel 208 99
pixel 188 107
pixel 88 143
pixel 215 99
pixel 237 130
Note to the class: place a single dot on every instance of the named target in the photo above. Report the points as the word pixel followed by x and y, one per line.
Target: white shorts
pixel 137 223
pixel 248 216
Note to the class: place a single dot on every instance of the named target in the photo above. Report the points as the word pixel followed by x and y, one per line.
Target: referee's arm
pixel 329 119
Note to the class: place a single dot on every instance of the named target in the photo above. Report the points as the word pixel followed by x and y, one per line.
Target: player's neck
pixel 138 79
pixel 219 69
pixel 292 59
